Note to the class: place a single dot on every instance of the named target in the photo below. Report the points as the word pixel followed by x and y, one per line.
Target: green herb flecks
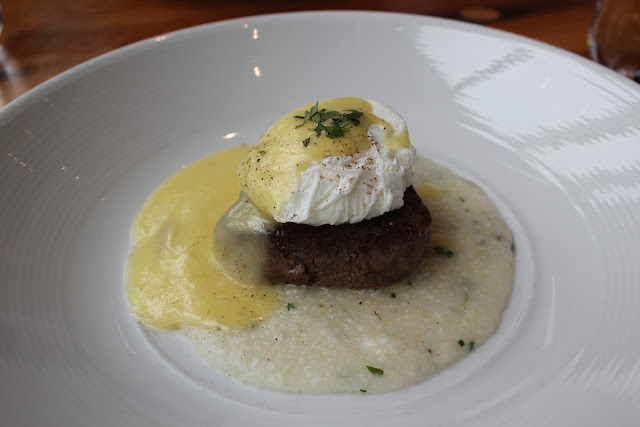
pixel 444 252
pixel 375 371
pixel 354 117
pixel 333 131
pixel 461 343
pixel 290 307
pixel 472 345
pixel 308 115
pixel 363 390
pixel 333 123
pixel 263 152
pixel 393 295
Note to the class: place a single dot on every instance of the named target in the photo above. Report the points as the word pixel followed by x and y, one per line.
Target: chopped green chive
pixel 309 114
pixel 461 199
pixel 444 252
pixel 375 371
pixel 472 345
pixel 461 343
pixel 263 152
pixel 334 131
pixel 393 295
pixel 324 115
pixel 363 390
pixel 429 350
pixel 340 122
pixel 306 142
pixel 354 115
pixel 290 306
pixel 319 129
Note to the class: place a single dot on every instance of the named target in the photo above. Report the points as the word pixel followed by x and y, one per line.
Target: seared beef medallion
pixel 370 254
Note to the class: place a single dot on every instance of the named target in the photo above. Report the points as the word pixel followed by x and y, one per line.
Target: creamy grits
pixel 317 340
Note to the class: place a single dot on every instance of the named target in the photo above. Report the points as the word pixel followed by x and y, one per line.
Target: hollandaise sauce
pixel 331 128
pixel 172 276
pixel 336 340
pixel 199 248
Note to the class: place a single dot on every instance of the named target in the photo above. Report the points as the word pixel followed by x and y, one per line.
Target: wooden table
pixel 42 38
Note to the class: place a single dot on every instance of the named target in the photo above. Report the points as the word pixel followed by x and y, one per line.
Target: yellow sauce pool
pixel 312 339
pixel 172 277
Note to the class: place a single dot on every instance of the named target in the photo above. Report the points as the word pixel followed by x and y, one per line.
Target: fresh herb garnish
pixel 354 115
pixel 290 306
pixel 393 295
pixel 333 131
pixel 375 371
pixel 472 345
pixel 429 350
pixel 461 343
pixel 309 114
pixel 263 152
pixel 442 251
pixel 339 124
pixel 363 390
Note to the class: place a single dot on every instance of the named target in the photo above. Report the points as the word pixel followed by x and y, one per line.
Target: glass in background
pixel 614 36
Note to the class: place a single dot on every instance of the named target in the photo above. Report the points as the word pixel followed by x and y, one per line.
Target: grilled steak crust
pixel 370 254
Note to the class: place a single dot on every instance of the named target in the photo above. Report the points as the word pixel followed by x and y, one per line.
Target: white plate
pixel 553 138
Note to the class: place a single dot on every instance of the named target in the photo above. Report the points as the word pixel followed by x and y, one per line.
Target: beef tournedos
pixel 370 254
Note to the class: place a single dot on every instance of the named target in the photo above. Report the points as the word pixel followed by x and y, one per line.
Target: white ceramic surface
pixel 553 138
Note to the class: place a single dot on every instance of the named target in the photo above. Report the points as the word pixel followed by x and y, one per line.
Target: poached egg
pixel 337 161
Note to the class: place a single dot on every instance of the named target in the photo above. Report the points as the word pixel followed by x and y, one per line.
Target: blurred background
pixel 42 38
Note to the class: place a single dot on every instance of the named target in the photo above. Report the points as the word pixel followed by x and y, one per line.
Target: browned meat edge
pixel 370 254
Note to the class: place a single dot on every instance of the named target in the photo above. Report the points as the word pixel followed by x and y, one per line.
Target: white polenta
pixel 336 340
